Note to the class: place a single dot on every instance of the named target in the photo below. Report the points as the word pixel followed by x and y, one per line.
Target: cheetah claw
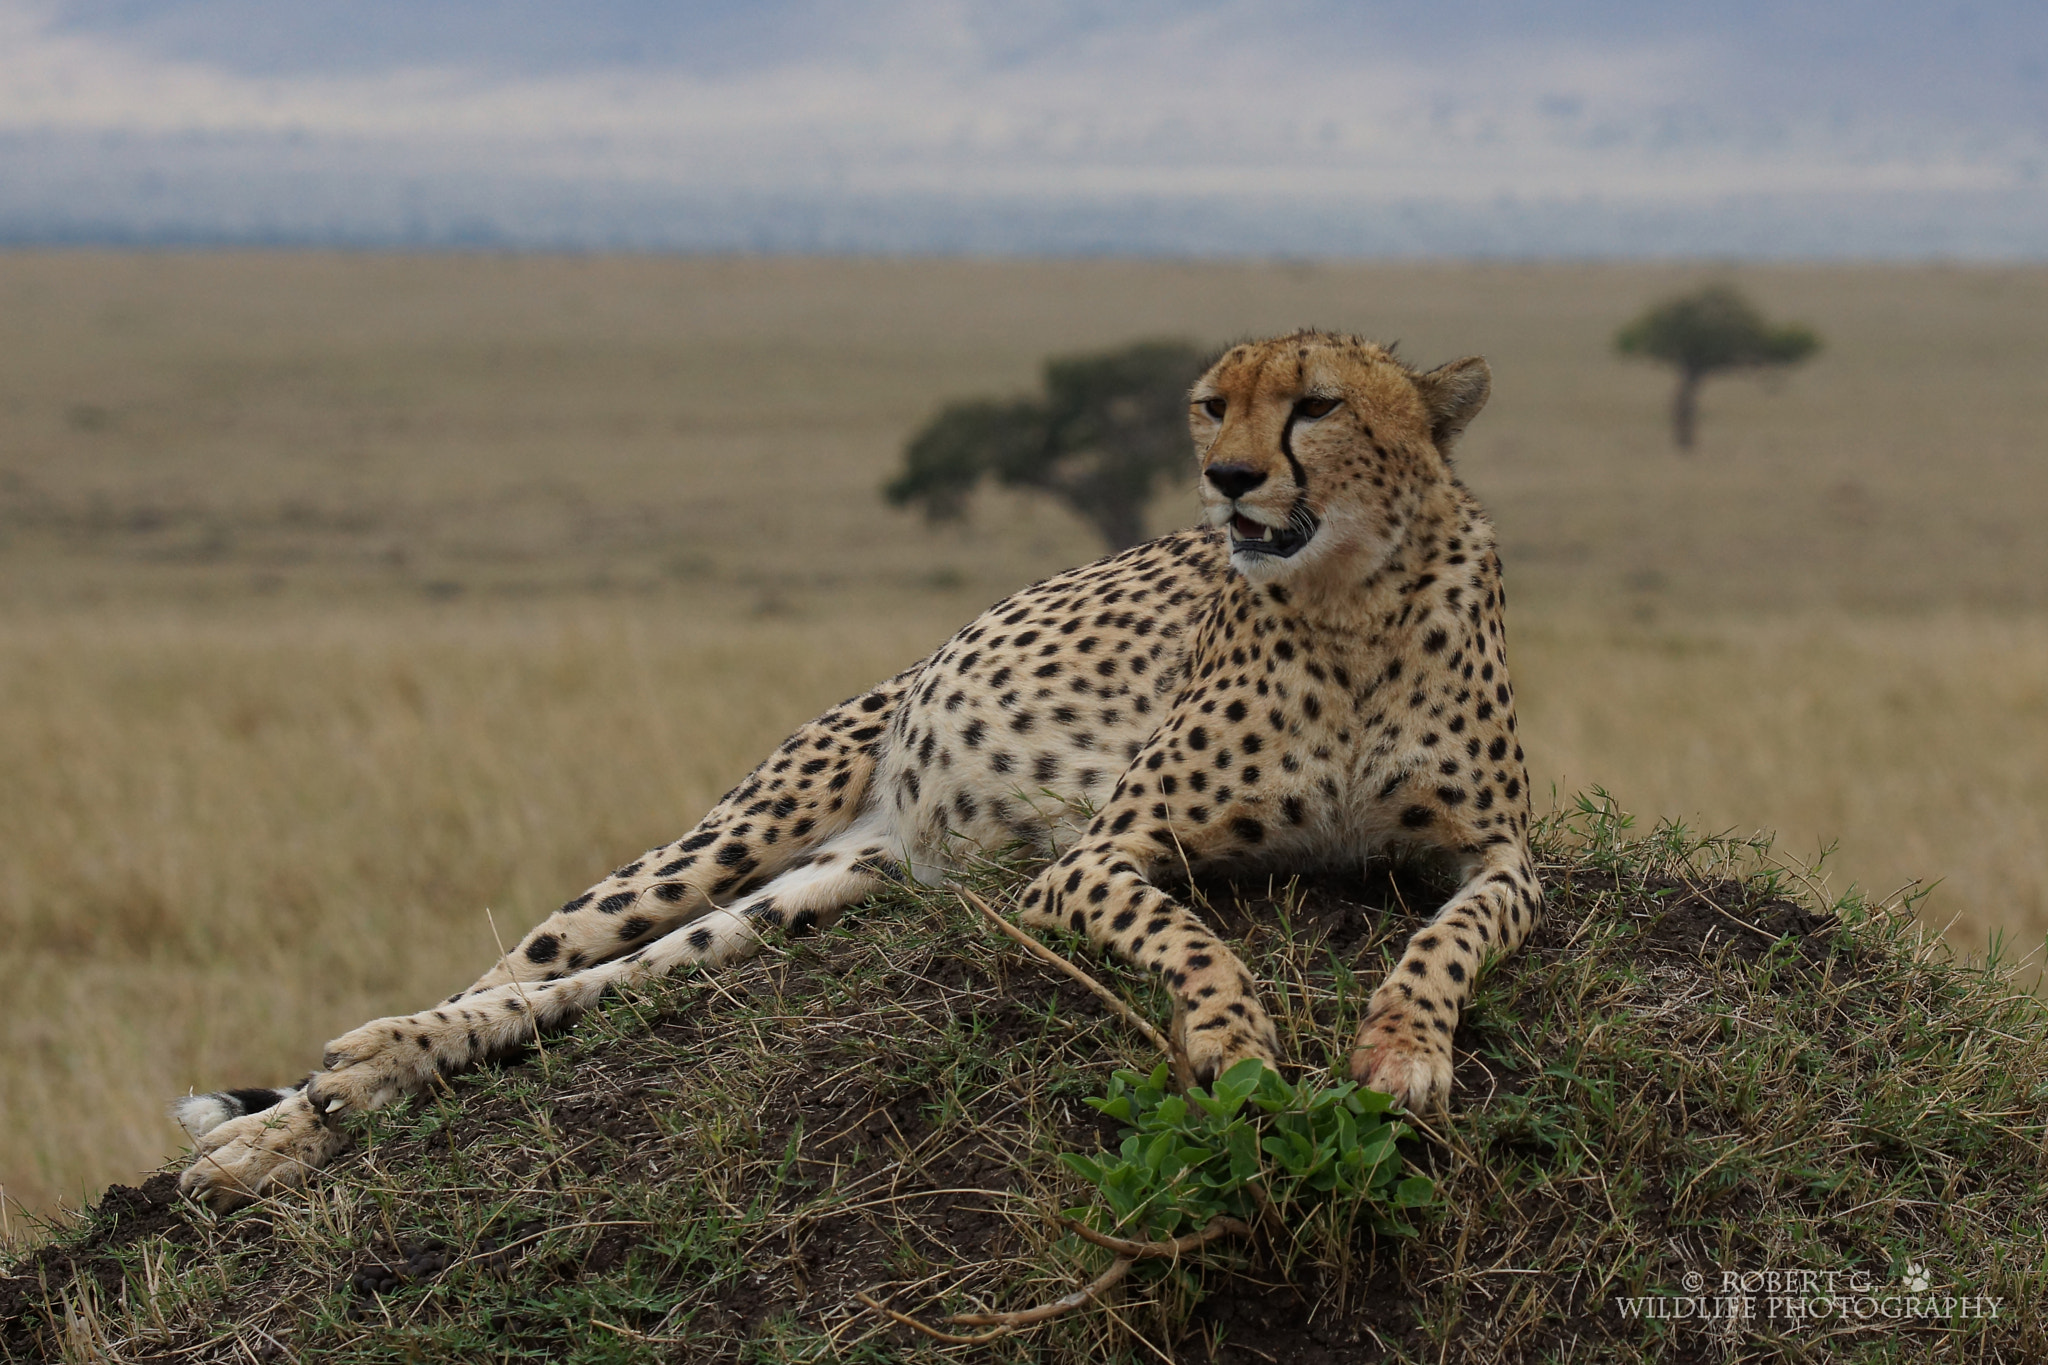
pixel 367 1068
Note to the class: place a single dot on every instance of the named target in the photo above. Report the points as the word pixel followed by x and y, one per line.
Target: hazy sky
pixel 1651 105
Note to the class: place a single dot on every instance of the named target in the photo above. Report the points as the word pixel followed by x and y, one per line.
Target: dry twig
pixel 1046 1312
pixel 1168 1048
pixel 1138 1251
pixel 1128 1254
pixel 930 1331
pixel 632 1335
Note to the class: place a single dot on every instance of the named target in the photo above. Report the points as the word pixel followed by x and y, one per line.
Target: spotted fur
pixel 1317 674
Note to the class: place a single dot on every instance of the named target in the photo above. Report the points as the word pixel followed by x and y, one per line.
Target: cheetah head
pixel 1317 450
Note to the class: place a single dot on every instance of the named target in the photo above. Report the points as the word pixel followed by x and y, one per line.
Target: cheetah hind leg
pixel 372 1065
pixel 257 1153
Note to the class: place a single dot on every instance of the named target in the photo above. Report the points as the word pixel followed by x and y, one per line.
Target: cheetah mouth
pixel 1280 542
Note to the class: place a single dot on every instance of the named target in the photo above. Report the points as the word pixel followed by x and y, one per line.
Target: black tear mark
pixel 1287 448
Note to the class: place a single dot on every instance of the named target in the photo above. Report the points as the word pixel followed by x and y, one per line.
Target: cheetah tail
pixel 199 1115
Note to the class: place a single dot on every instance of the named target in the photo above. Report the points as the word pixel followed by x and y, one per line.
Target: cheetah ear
pixel 1454 394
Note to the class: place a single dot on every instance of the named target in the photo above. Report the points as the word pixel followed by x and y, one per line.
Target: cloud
pixel 1288 101
pixel 1209 101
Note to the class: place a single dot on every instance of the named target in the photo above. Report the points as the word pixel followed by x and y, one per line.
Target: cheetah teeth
pixel 1278 542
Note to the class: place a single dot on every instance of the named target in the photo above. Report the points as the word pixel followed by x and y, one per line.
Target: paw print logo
pixel 1916 1279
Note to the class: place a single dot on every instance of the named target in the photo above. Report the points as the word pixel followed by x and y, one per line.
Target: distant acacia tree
pixel 1708 333
pixel 1108 426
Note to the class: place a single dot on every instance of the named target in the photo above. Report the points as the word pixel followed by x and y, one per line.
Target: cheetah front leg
pixel 1404 1044
pixel 1100 888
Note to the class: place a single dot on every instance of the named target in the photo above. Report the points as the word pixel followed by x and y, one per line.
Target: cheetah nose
pixel 1234 480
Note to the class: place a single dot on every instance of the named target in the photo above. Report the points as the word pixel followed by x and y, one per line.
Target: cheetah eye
pixel 1215 407
pixel 1316 407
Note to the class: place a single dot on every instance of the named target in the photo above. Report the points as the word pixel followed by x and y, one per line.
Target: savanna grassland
pixel 345 598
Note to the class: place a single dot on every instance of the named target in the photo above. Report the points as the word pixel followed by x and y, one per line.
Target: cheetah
pixel 1314 674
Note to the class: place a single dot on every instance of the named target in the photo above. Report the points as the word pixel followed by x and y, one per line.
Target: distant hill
pixel 247 193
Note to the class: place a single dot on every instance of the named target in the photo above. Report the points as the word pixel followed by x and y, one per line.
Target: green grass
pixel 1695 1068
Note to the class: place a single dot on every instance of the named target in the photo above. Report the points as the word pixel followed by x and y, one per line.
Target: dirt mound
pixel 1688 1071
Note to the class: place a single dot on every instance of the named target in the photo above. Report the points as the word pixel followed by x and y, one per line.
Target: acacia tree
pixel 1709 333
pixel 1105 430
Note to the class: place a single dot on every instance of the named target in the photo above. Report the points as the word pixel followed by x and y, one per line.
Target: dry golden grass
pixel 177 423
pixel 342 597
pixel 230 838
pixel 1915 746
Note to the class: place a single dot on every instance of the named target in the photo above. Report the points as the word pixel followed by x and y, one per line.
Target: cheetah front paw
pixel 369 1067
pixel 1215 1038
pixel 1401 1058
pixel 258 1154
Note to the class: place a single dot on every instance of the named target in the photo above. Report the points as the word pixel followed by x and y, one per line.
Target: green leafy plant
pixel 1251 1143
